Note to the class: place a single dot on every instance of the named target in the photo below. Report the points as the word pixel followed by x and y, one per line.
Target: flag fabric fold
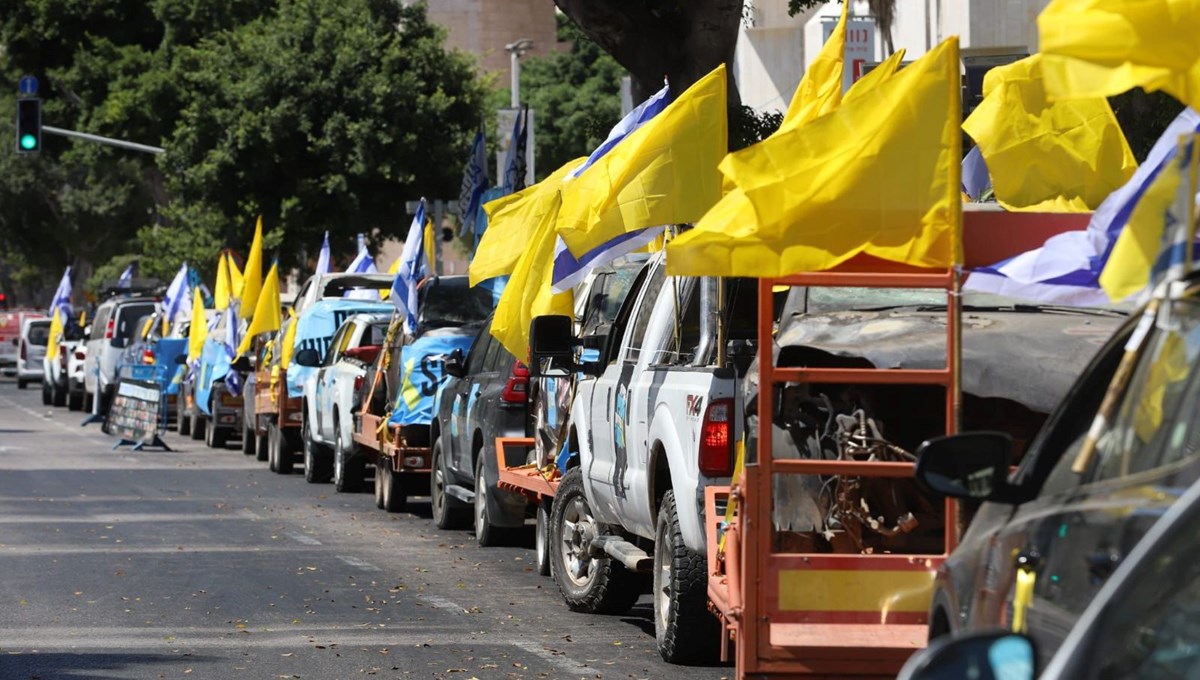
pixel 411 270
pixel 126 279
pixel 198 330
pixel 252 277
pixel 1101 48
pixel 323 264
pixel 175 300
pixel 820 89
pixel 1043 156
pixel 474 182
pixel 514 160
pixel 267 315
pixel 878 175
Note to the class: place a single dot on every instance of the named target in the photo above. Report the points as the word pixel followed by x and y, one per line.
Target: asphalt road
pixel 203 564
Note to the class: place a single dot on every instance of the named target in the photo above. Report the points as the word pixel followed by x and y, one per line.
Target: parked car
pixel 56 371
pixel 114 326
pixel 330 400
pixel 31 351
pixel 1141 624
pixel 76 360
pixel 11 323
pixel 486 396
pixel 1065 519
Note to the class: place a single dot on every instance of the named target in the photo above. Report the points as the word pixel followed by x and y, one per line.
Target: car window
pixel 445 305
pixel 489 361
pixel 683 339
pixel 100 323
pixel 479 350
pixel 1161 382
pixel 374 334
pixel 127 319
pixel 339 343
pixel 39 334
pixel 641 320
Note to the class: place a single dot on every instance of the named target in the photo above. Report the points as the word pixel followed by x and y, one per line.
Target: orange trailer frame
pixel 811 615
pixel 529 480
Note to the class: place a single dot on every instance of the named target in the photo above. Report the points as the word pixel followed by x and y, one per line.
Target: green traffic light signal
pixel 28 142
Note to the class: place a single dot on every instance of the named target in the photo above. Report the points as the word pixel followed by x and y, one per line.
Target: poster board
pixel 135 412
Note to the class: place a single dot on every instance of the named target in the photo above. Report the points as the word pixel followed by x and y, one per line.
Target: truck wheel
pixel 58 395
pixel 592 585
pixel 448 511
pixel 249 439
pixel 541 539
pixel 88 402
pixel 74 399
pixel 683 626
pixel 216 436
pixel 394 498
pixel 349 469
pixel 285 453
pixel 273 447
pixel 183 423
pixel 47 397
pixel 486 533
pixel 379 483
pixel 199 425
pixel 318 466
pixel 22 384
pixel 262 447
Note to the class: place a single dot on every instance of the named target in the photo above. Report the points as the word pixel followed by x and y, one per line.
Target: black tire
pixel 486 534
pixel 683 626
pixel 394 497
pixel 199 424
pixel 88 402
pixel 349 468
pixel 318 459
pixel 22 384
pixel 216 436
pixel 448 512
pixel 379 483
pixel 249 438
pixel 272 447
pixel 183 423
pixel 541 541
pixel 285 456
pixel 262 447
pixel 74 401
pixel 47 396
pixel 607 587
pixel 58 396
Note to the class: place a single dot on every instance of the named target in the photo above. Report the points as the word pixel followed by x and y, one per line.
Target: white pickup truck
pixel 652 423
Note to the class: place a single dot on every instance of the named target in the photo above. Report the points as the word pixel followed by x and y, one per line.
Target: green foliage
pixel 575 95
pixel 797 6
pixel 747 126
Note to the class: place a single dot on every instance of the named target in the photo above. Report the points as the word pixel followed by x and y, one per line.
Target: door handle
pixel 1101 564
pixel 608 406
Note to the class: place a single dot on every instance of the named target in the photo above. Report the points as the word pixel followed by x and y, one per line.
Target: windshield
pixel 454 305
pixel 39 334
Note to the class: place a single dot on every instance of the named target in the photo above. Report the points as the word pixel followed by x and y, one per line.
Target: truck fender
pixel 664 434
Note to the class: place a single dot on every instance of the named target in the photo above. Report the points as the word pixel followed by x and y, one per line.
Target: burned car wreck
pixel 1017 362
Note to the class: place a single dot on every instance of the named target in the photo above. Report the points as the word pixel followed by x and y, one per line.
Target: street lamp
pixel 516 50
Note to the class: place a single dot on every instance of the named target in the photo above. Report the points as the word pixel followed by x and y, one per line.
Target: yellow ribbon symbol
pixel 1026 578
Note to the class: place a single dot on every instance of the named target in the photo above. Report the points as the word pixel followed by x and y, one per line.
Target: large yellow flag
pixel 528 293
pixel 222 287
pixel 879 175
pixel 512 220
pixel 820 90
pixel 664 172
pixel 198 330
pixel 1063 156
pixel 288 343
pixel 56 332
pixel 235 276
pixel 1100 48
pixel 252 283
pixel 267 314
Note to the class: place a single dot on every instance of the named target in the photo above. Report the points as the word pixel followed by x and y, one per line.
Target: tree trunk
pixel 680 40
pixel 884 12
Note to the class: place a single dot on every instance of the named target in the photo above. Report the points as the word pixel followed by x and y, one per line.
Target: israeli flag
pixel 177 299
pixel 323 257
pixel 363 264
pixel 412 269
pixel 233 338
pixel 126 280
pixel 514 161
pixel 474 183
pixel 570 270
pixel 62 296
pixel 1066 269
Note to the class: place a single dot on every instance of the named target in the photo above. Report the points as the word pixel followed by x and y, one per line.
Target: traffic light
pixel 29 125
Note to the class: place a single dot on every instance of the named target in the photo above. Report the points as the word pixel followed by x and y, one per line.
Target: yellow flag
pixel 1063 156
pixel 1100 48
pixel 820 90
pixel 878 175
pixel 512 220
pixel 235 276
pixel 252 282
pixel 198 330
pixel 267 315
pixel 876 76
pixel 221 288
pixel 527 293
pixel 1141 242
pixel 1168 368
pixel 289 341
pixel 56 332
pixel 430 246
pixel 664 172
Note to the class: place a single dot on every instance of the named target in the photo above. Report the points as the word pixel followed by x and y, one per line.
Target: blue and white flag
pixel 177 300
pixel 126 280
pixel 976 181
pixel 474 183
pixel 323 266
pixel 1066 269
pixel 514 161
pixel 233 338
pixel 570 270
pixel 420 373
pixel 411 270
pixel 62 296
pixel 315 329
pixel 363 264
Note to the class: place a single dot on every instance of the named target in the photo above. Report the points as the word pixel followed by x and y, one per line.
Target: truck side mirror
pixel 453 366
pixel 990 654
pixel 971 465
pixel 307 357
pixel 551 346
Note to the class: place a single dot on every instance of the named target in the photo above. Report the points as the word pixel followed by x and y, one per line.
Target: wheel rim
pixel 480 502
pixel 439 490
pixel 578 530
pixel 662 580
pixel 540 537
pixel 338 458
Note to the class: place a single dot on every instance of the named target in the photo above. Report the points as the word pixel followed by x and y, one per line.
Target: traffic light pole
pixel 133 146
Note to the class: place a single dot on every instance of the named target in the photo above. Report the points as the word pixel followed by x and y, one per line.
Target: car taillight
pixel 62 356
pixel 80 355
pixel 358 383
pixel 24 351
pixel 148 356
pixel 108 329
pixel 716 439
pixel 517 385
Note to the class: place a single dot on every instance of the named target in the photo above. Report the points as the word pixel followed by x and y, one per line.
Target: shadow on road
pixel 95 665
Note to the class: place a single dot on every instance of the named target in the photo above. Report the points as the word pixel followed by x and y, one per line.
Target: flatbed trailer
pixel 793 614
pixel 402 468
pixel 277 418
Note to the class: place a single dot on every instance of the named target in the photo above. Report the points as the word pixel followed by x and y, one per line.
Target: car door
pixel 323 387
pixel 459 454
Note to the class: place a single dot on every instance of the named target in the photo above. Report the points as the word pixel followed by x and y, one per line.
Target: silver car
pixel 113 328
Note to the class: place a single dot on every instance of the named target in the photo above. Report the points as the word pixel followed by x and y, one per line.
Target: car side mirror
pixel 453 365
pixel 971 465
pixel 990 654
pixel 551 345
pixel 307 357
